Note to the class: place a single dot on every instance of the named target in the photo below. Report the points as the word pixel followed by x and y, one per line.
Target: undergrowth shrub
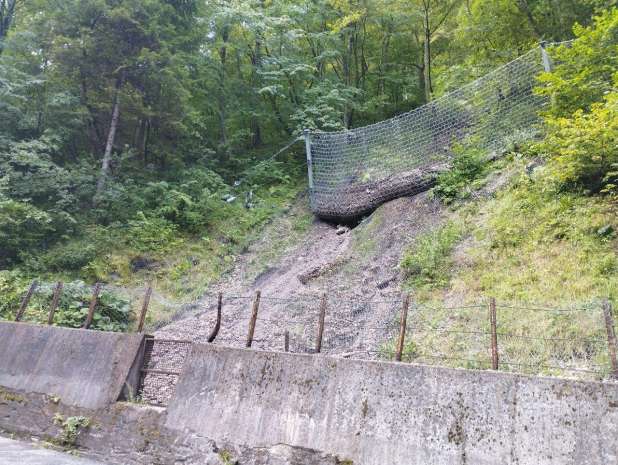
pixel 69 256
pixel 112 313
pixel 22 227
pixel 429 262
pixel 151 234
pixel 71 428
pixel 468 167
pixel 582 150
pixel 585 68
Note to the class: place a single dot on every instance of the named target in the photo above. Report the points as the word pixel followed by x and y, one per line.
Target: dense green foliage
pixel 556 222
pixel 547 238
pixel 112 313
pixel 132 131
pixel 468 166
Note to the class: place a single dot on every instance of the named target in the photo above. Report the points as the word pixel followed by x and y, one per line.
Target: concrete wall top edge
pixel 492 374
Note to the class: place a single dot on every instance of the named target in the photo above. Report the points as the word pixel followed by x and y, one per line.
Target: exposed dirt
pixel 357 269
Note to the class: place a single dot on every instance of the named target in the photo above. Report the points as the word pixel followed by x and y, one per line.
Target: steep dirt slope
pixel 357 269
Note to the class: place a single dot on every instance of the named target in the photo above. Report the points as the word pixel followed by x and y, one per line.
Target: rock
pixel 533 165
pixel 342 230
pixel 282 454
pixel 143 263
pixel 606 231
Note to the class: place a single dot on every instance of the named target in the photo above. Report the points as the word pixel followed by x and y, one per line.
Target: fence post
pixel 611 336
pixel 215 330
pixel 25 300
pixel 93 305
pixel 142 316
pixel 402 327
pixel 494 333
pixel 307 136
pixel 318 342
pixel 54 303
pixel 254 314
pixel 547 64
pixel 286 341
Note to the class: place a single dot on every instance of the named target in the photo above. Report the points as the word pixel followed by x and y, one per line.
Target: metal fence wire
pixel 352 172
pixel 574 342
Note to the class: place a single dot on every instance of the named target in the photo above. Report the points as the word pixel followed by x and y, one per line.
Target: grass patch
pixel 466 175
pixel 531 249
pixel 536 247
pixel 428 263
pixel 278 239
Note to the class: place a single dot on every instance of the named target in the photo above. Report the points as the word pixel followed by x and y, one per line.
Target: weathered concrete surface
pixel 132 434
pixel 23 453
pixel 378 413
pixel 84 368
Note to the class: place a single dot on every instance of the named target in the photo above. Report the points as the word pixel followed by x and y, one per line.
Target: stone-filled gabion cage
pixel 352 172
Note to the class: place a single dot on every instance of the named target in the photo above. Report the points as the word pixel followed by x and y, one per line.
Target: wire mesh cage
pixel 354 171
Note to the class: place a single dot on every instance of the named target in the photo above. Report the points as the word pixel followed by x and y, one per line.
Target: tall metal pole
pixel 547 64
pixel 307 135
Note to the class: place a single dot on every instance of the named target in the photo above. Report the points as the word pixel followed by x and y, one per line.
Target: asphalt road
pixel 23 453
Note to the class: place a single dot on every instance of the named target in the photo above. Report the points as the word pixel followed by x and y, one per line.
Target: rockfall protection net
pixel 354 171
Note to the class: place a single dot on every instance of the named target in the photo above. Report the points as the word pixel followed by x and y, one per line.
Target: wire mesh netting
pixel 163 363
pixel 354 171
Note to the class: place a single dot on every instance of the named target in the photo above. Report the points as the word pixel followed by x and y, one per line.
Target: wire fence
pixel 531 338
pixel 352 172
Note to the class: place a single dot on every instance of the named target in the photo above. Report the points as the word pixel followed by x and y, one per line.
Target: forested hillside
pixel 139 139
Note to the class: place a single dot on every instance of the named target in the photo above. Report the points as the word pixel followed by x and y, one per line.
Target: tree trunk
pixel 347 76
pixel 111 137
pixel 221 100
pixel 525 9
pixel 427 58
pixel 7 14
pixel 256 65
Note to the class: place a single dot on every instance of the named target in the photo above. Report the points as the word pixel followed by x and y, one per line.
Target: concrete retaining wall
pixel 83 368
pixel 133 434
pixel 387 413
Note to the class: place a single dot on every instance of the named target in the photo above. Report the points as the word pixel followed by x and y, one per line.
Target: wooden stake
pixel 54 303
pixel 25 301
pixel 611 336
pixel 494 333
pixel 93 305
pixel 254 314
pixel 215 330
pixel 318 342
pixel 286 341
pixel 142 316
pixel 402 327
